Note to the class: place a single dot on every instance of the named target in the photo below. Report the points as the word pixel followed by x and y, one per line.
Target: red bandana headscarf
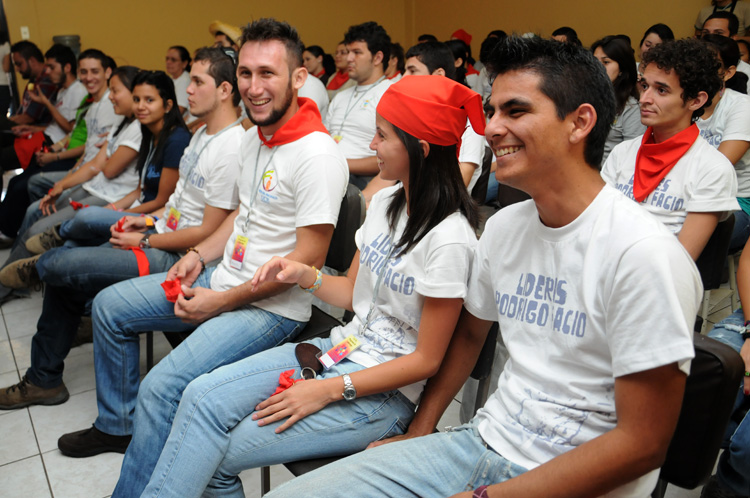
pixel 432 108
pixel 305 121
pixel 654 161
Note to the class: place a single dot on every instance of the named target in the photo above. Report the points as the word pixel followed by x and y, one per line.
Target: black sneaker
pixel 90 442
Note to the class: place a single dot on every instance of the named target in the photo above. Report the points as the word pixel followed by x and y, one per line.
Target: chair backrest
pixel 351 215
pixel 483 367
pixel 712 259
pixel 479 192
pixel 710 394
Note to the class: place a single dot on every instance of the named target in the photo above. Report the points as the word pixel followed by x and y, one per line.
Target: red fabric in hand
pixel 118 228
pixel 77 205
pixel 172 289
pixel 286 381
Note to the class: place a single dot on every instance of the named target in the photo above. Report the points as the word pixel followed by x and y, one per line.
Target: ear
pixel 67 68
pixel 225 90
pixel 729 73
pixel 582 121
pixel 458 62
pixel 439 72
pixel 168 106
pixel 697 102
pixel 108 73
pixel 377 58
pixel 299 76
pixel 425 147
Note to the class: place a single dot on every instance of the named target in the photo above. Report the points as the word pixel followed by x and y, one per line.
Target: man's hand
pixel 38 96
pixel 44 158
pixel 186 269
pixel 125 240
pixel 198 304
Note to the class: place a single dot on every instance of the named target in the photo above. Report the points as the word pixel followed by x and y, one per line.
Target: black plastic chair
pixel 481 372
pixel 710 393
pixel 339 257
pixel 711 266
pixel 479 191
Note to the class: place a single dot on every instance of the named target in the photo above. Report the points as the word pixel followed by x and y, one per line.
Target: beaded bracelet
pixel 200 258
pixel 316 285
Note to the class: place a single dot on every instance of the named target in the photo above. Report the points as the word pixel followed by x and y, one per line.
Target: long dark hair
pixel 459 49
pixel 729 53
pixel 126 75
pixel 436 191
pixel 620 51
pixel 172 119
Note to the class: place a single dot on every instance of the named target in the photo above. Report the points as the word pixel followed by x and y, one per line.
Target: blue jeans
pixel 437 465
pixel 128 308
pixel 213 437
pixel 41 183
pixel 90 226
pixel 73 277
pixel 733 470
pixel 740 232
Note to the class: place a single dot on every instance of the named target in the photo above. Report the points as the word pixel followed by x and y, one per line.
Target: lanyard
pixel 376 290
pixel 198 155
pixel 257 184
pixel 350 106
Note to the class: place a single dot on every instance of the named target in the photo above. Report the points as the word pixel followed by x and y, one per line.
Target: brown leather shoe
pixel 90 442
pixel 25 394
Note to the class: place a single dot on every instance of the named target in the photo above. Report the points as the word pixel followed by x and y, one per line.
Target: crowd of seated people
pixel 201 200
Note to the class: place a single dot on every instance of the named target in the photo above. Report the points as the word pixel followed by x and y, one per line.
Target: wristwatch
pixel 746 335
pixel 349 392
pixel 144 243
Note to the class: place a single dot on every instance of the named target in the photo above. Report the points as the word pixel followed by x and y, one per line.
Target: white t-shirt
pixel 702 181
pixel 297 184
pixel 437 266
pixel 315 89
pixel 351 116
pixel 731 121
pixel 99 119
pixel 472 151
pixel 4 77
pixel 571 304
pixel 113 189
pixel 68 100
pixel 212 180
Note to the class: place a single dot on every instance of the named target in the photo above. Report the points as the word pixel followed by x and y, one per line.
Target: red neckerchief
pixel 471 70
pixel 321 73
pixel 339 79
pixel 654 161
pixel 394 75
pixel 305 121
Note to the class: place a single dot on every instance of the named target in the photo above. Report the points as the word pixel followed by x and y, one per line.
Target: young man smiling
pixel 589 399
pixel 671 171
pixel 292 180
pixel 351 114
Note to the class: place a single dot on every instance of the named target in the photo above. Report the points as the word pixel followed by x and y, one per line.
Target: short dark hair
pixel 695 65
pixel 397 51
pixel 570 35
pixel 569 76
pixel 620 51
pixel 92 53
pixel 661 30
pixel 732 21
pixel 427 37
pixel 63 55
pixel 268 29
pixel 221 68
pixel 184 55
pixel 374 35
pixel 27 50
pixel 435 55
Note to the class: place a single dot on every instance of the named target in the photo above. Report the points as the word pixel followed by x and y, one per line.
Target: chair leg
pixel 660 489
pixel 265 480
pixel 704 310
pixel 149 351
pixel 732 263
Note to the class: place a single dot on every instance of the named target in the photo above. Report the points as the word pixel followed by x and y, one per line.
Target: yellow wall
pixel 592 19
pixel 138 32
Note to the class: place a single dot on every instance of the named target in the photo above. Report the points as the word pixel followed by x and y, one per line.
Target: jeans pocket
pixel 396 429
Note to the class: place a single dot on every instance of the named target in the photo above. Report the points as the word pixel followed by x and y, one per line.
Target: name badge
pixel 339 352
pixel 173 219
pixel 238 255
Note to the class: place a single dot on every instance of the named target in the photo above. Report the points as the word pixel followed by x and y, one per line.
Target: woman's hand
pixel 125 240
pixel 129 224
pixel 296 403
pixel 47 204
pixel 285 271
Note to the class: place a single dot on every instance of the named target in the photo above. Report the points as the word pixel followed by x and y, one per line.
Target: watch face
pixel 350 393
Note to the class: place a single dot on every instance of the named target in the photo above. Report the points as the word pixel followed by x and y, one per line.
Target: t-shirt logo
pixel 269 180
